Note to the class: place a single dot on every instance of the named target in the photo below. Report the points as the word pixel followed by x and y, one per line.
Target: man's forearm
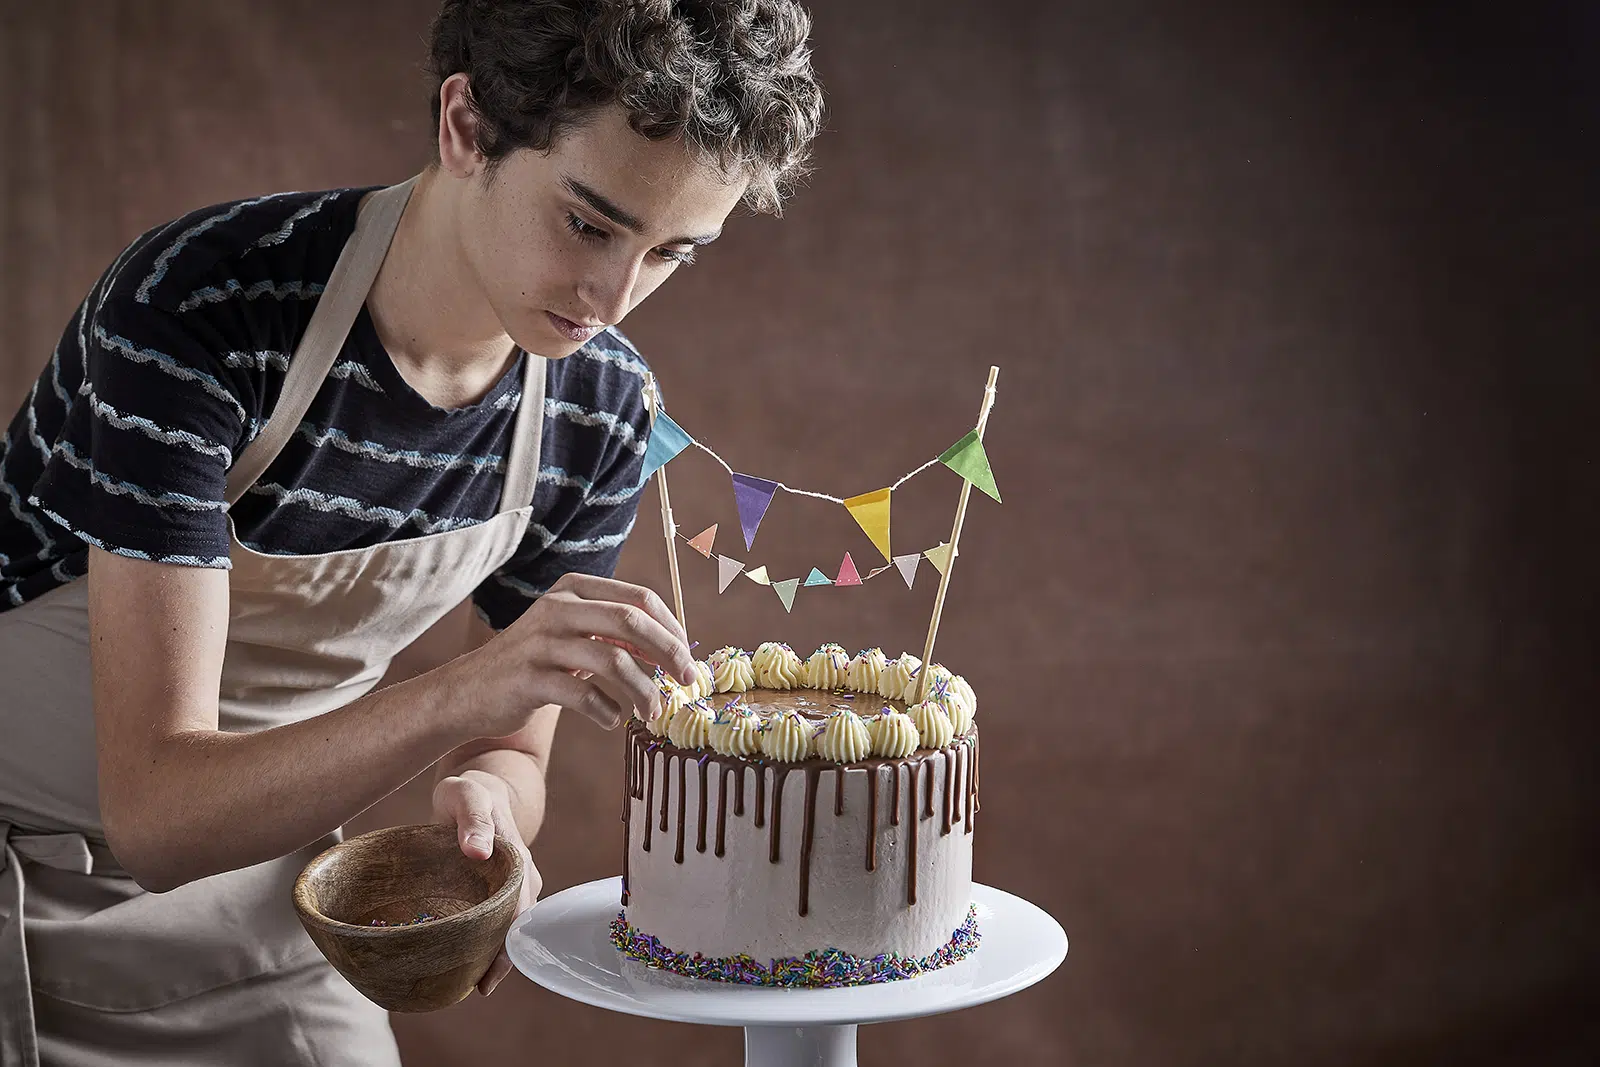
pixel 247 798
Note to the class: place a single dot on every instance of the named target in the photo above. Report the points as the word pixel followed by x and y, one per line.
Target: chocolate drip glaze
pixel 700 839
pixel 949 788
pixel 779 773
pixel 872 821
pixel 912 821
pixel 683 801
pixel 649 792
pixel 807 831
pixel 722 804
pixel 960 802
pixel 894 809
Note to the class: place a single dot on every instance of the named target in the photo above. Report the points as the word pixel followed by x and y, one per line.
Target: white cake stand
pixel 562 944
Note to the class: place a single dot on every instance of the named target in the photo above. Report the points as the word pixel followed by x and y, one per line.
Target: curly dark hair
pixel 733 78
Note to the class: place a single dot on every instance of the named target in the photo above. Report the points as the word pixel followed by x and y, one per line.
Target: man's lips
pixel 573 331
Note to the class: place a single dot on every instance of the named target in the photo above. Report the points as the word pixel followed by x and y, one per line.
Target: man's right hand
pixel 589 645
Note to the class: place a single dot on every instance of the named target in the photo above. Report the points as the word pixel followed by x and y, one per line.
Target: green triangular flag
pixel 967 458
pixel 785 590
pixel 816 577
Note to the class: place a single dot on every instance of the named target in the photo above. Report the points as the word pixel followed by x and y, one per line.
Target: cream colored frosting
pixel 893 735
pixel 733 672
pixel 674 698
pixel 899 675
pixel 865 672
pixel 827 668
pixel 960 714
pixel 955 694
pixel 844 738
pixel 704 681
pixel 787 736
pixel 933 724
pixel 691 725
pixel 776 666
pixel 736 731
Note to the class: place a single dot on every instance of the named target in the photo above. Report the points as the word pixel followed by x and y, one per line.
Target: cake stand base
pixel 562 944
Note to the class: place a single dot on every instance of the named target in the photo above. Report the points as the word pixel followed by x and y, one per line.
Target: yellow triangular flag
pixel 940 556
pixel 871 512
pixel 759 575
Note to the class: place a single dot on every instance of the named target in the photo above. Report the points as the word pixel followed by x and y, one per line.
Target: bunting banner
pixel 967 458
pixel 752 495
pixel 871 512
pixel 667 439
pixel 702 541
pixel 785 590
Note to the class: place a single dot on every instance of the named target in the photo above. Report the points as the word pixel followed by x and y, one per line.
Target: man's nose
pixel 609 292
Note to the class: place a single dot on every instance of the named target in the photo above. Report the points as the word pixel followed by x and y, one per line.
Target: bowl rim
pixel 302 890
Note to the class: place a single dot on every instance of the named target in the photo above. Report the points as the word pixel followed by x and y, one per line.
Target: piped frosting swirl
pixel 828 668
pixel 865 673
pixel 844 738
pixel 776 666
pixel 933 724
pixel 732 673
pixel 691 725
pixel 893 734
pixel 787 736
pixel 736 732
pixel 899 678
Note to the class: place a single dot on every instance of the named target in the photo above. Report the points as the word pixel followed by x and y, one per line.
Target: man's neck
pixel 430 315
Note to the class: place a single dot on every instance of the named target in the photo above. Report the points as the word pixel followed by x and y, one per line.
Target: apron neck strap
pixel 337 307
pixel 522 459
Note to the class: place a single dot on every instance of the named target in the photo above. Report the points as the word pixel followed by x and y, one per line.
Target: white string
pixel 864 577
pixel 806 492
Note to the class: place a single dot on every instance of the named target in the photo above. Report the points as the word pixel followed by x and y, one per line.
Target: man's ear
pixel 458 128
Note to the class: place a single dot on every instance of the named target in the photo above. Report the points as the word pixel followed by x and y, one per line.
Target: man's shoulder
pixel 275 247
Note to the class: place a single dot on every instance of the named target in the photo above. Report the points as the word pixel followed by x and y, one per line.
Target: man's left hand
pixel 478 804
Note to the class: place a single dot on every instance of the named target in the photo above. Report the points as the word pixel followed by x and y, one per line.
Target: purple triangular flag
pixel 752 495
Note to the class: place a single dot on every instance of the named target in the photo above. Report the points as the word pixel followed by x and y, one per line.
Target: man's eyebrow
pixel 626 219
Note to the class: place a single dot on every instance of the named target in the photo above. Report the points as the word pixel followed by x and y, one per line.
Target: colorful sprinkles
pixel 823 969
pixel 422 917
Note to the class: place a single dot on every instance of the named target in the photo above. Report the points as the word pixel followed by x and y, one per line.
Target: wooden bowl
pixel 394 875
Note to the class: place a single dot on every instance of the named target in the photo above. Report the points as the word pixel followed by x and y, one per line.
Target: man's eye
pixel 583 231
pixel 683 257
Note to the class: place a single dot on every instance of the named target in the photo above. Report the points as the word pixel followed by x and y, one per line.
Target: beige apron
pixel 217 972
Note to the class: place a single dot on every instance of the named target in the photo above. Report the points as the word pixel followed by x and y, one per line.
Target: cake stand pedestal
pixel 562 943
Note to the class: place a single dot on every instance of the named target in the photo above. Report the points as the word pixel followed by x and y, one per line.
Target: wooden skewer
pixel 955 539
pixel 652 401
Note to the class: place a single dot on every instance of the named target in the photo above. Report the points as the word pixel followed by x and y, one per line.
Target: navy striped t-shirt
pixel 173 363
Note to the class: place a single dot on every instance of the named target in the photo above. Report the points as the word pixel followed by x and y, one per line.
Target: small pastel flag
pixel 871 512
pixel 847 572
pixel 752 495
pixel 816 577
pixel 940 556
pixel 908 566
pixel 727 571
pixel 667 439
pixel 967 458
pixel 785 590
pixel 701 542
pixel 759 575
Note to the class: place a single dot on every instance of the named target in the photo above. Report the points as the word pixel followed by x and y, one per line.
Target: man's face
pixel 566 242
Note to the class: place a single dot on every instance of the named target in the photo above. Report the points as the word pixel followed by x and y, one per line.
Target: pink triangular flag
pixel 727 571
pixel 847 572
pixel 701 542
pixel 908 566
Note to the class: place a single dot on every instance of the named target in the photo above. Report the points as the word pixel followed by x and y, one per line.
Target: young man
pixel 283 436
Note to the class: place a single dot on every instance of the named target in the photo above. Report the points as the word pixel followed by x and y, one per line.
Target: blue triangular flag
pixel 816 577
pixel 667 439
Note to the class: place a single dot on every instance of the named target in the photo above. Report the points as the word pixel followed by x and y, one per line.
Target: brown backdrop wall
pixel 1284 633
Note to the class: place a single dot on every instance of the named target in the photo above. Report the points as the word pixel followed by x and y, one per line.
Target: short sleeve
pixel 140 465
pixel 590 516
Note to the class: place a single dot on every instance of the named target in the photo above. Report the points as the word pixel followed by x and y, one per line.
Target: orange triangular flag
pixel 940 556
pixel 871 512
pixel 701 542
pixel 847 572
